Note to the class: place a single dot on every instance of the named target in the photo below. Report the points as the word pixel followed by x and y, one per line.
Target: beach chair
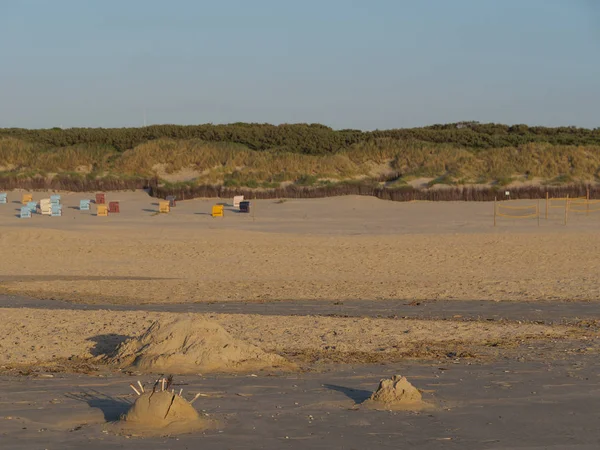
pixel 245 206
pixel 164 206
pixel 32 206
pixel 3 198
pixel 84 205
pixel 100 199
pixel 113 207
pixel 45 206
pixel 25 213
pixel 55 210
pixel 102 211
pixel 172 200
pixel 217 211
pixel 55 199
pixel 237 200
pixel 26 198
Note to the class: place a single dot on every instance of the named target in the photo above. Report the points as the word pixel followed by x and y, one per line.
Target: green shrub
pixel 306 180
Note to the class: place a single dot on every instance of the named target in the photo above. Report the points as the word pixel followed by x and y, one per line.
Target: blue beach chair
pixel 3 200
pixel 32 206
pixel 55 199
pixel 84 205
pixel 56 210
pixel 25 212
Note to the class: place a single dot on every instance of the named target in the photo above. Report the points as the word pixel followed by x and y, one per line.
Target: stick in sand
pixel 156 384
pixel 195 398
pixel 180 391
pixel 134 389
pixel 141 387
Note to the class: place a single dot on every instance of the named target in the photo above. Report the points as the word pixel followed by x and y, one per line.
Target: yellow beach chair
pixel 26 199
pixel 102 211
pixel 164 206
pixel 217 211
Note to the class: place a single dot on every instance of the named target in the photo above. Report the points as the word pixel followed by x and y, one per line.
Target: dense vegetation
pixel 313 139
pixel 267 156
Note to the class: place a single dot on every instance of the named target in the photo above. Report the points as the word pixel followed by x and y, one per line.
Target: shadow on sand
pixel 356 395
pixel 107 344
pixel 111 407
pixel 14 278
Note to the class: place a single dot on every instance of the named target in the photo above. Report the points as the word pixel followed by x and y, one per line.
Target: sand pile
pixel 396 393
pixel 190 346
pixel 161 413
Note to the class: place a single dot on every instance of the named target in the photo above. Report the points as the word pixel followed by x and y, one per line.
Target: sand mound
pixel 161 413
pixel 190 346
pixel 396 393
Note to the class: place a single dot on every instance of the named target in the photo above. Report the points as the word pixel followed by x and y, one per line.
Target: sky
pixel 362 64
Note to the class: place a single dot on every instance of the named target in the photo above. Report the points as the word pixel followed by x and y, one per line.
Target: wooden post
pixel 566 208
pixel 547 204
pixel 587 207
pixel 538 212
pixel 587 193
pixel 495 198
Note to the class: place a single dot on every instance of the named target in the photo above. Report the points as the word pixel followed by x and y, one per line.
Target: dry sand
pixel 325 249
pixel 38 336
pixel 333 249
pixel 188 344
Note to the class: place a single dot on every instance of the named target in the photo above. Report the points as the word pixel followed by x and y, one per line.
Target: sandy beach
pixel 335 286
pixel 37 336
pixel 331 249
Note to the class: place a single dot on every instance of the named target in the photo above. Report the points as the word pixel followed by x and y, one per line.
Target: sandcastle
pixel 190 346
pixel 396 393
pixel 161 412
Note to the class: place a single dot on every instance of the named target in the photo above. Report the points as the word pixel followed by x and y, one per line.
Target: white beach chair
pixel 237 200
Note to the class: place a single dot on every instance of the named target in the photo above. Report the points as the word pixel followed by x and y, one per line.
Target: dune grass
pixel 383 159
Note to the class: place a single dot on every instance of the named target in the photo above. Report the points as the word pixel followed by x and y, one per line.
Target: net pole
pixel 547 204
pixel 566 208
pixel 538 212
pixel 587 203
pixel 495 199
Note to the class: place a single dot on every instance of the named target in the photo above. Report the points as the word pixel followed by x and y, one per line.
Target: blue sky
pixel 347 64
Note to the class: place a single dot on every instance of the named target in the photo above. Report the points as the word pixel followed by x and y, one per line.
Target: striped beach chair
pixel 113 207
